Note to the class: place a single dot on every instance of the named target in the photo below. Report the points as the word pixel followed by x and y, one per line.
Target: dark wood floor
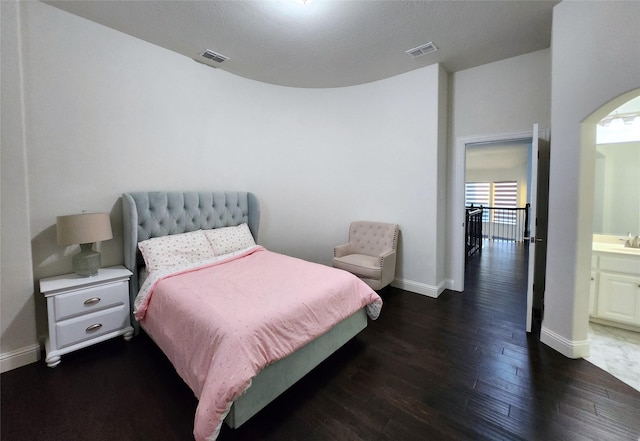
pixel 457 368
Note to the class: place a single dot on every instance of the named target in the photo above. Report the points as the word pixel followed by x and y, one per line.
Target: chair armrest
pixel 388 264
pixel 342 250
pixel 387 255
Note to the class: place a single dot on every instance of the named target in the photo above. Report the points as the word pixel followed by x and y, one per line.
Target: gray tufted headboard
pixel 160 213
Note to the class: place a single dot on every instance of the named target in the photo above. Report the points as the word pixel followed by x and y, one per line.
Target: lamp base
pixel 87 262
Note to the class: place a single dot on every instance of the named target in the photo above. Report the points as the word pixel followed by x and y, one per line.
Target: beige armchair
pixel 370 253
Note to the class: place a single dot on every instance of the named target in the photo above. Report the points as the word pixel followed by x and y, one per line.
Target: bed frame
pixel 155 214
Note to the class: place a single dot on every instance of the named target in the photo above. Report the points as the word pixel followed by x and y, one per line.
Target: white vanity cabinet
pixel 615 289
pixel 85 310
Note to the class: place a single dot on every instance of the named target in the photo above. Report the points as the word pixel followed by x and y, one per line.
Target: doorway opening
pixel 458 199
pixel 614 327
pixel 497 183
pixel 497 180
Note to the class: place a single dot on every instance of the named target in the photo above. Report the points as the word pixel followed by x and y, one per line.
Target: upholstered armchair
pixel 370 253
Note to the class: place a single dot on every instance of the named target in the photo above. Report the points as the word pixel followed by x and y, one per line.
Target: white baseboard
pixel 450 284
pixel 19 357
pixel 568 348
pixel 419 288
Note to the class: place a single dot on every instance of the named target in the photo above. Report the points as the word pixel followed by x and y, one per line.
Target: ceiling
pixel 329 43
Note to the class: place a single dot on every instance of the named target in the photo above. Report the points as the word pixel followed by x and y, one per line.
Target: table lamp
pixel 84 229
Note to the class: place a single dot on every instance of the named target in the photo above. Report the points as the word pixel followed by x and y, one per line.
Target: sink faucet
pixel 632 242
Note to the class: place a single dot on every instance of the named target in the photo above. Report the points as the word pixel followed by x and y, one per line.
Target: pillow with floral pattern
pixel 229 239
pixel 176 249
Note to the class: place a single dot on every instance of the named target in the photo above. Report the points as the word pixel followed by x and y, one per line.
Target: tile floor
pixel 617 351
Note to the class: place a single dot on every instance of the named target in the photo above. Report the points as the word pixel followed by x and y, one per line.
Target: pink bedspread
pixel 223 322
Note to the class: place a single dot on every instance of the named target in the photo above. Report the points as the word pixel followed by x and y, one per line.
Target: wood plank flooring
pixel 459 367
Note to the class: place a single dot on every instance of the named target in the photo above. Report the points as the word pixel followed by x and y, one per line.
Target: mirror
pixel 617 178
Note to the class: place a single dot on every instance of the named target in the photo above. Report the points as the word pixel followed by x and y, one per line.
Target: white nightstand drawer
pixel 89 300
pixel 89 326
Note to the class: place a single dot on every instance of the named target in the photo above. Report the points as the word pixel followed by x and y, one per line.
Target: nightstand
pixel 83 311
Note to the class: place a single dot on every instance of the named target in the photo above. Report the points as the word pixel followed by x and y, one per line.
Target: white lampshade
pixel 83 228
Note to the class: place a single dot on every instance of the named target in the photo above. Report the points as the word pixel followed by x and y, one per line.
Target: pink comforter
pixel 223 322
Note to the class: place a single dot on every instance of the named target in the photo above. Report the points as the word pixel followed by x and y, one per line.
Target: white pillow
pixel 229 239
pixel 176 249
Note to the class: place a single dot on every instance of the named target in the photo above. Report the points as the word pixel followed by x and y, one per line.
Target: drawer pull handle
pixel 93 327
pixel 92 301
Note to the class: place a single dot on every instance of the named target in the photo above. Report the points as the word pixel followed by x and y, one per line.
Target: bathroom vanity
pixel 615 283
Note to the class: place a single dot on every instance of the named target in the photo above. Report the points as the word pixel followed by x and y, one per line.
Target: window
pixel 503 194
pixel 478 194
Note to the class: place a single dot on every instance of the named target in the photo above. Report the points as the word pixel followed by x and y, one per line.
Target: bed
pixel 158 295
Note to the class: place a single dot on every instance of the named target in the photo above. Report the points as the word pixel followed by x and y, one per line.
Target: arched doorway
pixel 612 133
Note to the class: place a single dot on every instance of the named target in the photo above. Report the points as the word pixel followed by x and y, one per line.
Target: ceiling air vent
pixel 422 50
pixel 214 56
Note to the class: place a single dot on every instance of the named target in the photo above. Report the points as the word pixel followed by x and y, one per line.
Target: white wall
pixel 442 204
pixel 588 72
pixel 506 96
pixel 18 341
pixel 106 113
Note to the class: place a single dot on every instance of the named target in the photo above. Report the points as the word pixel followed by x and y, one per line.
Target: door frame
pixel 457 199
